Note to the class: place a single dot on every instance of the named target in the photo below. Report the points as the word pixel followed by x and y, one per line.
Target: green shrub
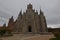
pixel 5 33
pixel 2 32
pixel 57 35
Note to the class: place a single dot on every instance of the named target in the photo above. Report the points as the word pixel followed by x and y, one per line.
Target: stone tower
pixel 30 21
pixel 11 24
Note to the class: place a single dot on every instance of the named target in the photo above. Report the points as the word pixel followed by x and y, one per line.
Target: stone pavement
pixel 28 37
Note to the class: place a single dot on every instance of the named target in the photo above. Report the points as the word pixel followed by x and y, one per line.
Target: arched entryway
pixel 29 28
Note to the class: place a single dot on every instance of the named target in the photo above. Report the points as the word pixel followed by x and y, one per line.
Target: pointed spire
pixel 20 13
pixel 4 25
pixel 29 6
pixel 36 12
pixel 41 13
pixel 11 19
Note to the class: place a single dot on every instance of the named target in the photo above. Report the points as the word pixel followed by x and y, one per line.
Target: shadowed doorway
pixel 29 29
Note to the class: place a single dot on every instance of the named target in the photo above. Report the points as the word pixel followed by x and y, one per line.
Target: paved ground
pixel 40 37
pixel 28 37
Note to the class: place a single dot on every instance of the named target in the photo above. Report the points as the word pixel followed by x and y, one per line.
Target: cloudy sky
pixel 51 9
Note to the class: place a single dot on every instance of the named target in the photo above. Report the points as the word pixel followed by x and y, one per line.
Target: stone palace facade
pixel 29 21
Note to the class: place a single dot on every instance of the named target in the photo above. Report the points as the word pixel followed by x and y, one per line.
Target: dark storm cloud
pixel 51 9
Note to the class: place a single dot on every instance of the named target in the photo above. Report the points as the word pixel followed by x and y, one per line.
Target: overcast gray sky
pixel 51 9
